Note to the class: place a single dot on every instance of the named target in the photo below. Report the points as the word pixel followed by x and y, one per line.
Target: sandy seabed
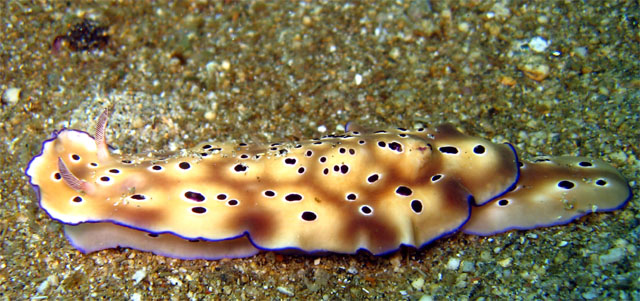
pixel 551 77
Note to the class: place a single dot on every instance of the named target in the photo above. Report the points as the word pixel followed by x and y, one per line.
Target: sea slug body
pixel 358 190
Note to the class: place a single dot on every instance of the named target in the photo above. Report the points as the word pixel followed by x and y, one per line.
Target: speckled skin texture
pixel 189 72
pixel 370 190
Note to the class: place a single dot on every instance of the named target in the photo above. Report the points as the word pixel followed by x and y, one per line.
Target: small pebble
pixel 139 275
pixel 507 81
pixel 619 157
pixel 210 115
pixel 614 255
pixel 468 266
pixel 537 72
pixel 485 255
pixel 11 95
pixel 352 270
pixel 136 297
pixel 51 280
pixel 505 262
pixel 285 291
pixel 306 20
pixel 210 67
pixel 418 284
pixel 174 281
pixel 426 298
pixel 358 79
pixel 581 52
pixel 394 54
pixel 542 19
pixel 590 295
pixel 226 65
pixel 538 44
pixel 463 27
pixel 621 242
pixel 453 263
pixel 500 10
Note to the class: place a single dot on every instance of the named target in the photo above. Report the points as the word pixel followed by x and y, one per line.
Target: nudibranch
pixel 358 190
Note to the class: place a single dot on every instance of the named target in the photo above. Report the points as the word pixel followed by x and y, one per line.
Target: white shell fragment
pixel 362 189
